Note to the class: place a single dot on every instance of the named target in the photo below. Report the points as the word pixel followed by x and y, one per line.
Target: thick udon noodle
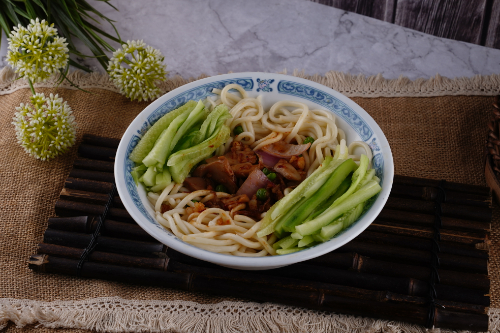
pixel 228 232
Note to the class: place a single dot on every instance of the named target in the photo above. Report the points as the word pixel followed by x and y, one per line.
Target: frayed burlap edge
pixel 347 84
pixel 114 314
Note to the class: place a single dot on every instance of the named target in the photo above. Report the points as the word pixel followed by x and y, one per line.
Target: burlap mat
pixel 434 137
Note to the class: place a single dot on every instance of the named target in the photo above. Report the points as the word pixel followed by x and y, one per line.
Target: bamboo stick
pixel 418 257
pixel 105 244
pixel 89 197
pixel 97 152
pixel 96 165
pixel 481 214
pixel 433 193
pixel 413 218
pixel 447 235
pixel 316 299
pixel 92 175
pixel 110 228
pixel 101 141
pixel 88 185
pixel 421 244
pixel 71 208
pixel 104 257
pixel 458 187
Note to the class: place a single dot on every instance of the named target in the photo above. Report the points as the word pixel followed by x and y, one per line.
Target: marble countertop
pixel 216 36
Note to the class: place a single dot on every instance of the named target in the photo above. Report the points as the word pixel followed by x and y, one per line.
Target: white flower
pixel 135 69
pixel 36 51
pixel 47 129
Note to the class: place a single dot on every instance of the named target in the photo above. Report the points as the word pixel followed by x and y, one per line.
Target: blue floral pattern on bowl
pixel 264 85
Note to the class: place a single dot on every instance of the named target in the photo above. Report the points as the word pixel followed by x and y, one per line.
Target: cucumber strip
pixel 219 110
pixel 317 237
pixel 363 194
pixel 305 241
pixel 290 242
pixel 293 197
pixel 296 236
pixel 148 140
pixel 343 222
pixel 325 191
pixel 331 230
pixel 357 176
pixel 368 176
pixel 162 180
pixel 149 177
pixel 137 173
pixel 186 142
pixel 205 149
pixel 287 251
pixel 195 116
pixel 277 244
pixel 353 215
pixel 162 149
pixel 269 228
pixel 289 216
pixel 324 206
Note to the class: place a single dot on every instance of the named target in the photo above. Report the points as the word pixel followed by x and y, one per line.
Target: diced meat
pixel 232 202
pixel 220 171
pixel 297 162
pixel 243 170
pixel 277 193
pixel 228 156
pixel 195 183
pixel 287 170
pixel 198 208
pixel 257 179
pixel 242 153
pixel 285 150
pixel 165 208
pixel 256 208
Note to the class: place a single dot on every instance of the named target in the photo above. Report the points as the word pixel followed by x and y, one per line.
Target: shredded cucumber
pixel 322 194
pixel 148 140
pixel 363 194
pixel 180 170
pixel 298 193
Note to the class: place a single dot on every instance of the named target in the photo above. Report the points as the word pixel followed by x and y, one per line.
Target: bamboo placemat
pixel 433 137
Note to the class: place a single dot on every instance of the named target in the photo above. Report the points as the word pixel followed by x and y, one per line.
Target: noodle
pixel 227 232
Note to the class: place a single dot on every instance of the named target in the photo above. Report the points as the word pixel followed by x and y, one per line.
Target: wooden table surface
pixel 472 21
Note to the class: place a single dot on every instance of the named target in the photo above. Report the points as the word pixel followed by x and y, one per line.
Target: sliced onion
pixel 257 179
pixel 282 149
pixel 266 159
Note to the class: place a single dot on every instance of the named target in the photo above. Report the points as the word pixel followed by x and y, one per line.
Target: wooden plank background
pixel 472 21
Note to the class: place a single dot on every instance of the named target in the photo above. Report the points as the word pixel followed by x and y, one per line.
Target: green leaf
pixel 40 4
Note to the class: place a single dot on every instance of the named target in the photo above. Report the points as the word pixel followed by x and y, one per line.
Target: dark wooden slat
pixel 493 31
pixel 461 19
pixel 379 9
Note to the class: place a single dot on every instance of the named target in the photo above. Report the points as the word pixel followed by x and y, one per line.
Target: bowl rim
pixel 267 262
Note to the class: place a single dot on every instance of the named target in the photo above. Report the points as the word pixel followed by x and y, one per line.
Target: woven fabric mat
pixel 433 137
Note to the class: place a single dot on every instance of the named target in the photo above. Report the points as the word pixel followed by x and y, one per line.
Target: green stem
pixel 31 86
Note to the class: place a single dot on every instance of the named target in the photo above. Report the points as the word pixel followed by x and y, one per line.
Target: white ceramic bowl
pixel 356 123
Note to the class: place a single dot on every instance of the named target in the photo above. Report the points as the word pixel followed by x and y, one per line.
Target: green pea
pixel 238 130
pixel 221 188
pixel 261 194
pixel 266 171
pixel 308 140
pixel 271 176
